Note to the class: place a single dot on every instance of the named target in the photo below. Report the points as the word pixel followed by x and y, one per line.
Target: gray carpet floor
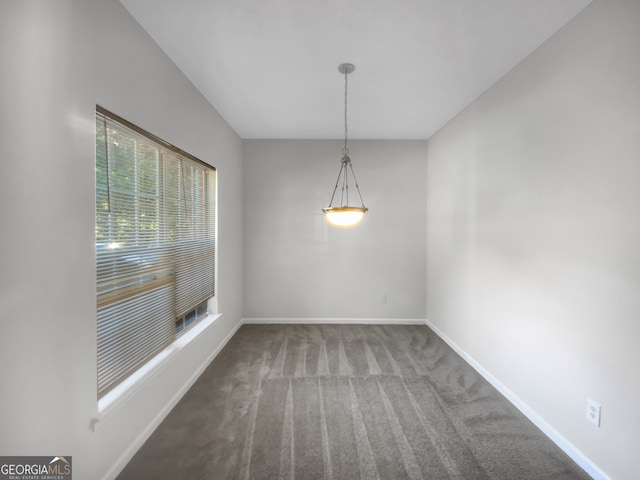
pixel 345 402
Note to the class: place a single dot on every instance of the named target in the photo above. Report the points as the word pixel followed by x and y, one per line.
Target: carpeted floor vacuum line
pixel 334 402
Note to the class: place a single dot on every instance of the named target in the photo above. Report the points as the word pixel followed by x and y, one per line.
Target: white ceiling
pixel 270 66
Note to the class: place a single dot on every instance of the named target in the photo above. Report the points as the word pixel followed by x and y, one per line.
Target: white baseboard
pixel 126 457
pixel 347 321
pixel 567 447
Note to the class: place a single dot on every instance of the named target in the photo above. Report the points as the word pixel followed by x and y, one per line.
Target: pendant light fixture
pixel 345 215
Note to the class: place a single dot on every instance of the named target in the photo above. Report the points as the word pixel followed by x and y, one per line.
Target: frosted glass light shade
pixel 344 217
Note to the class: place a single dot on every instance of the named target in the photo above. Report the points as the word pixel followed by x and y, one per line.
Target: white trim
pixel 347 321
pixel 567 447
pixel 133 448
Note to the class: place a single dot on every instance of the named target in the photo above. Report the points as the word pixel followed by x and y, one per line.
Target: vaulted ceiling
pixel 270 66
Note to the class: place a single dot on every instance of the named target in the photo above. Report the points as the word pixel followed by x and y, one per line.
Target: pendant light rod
pixel 346 69
pixel 355 180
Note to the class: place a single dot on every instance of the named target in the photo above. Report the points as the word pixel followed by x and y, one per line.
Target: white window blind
pixel 155 244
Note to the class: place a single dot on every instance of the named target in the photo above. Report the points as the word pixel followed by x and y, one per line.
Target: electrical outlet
pixel 593 412
pixel 383 299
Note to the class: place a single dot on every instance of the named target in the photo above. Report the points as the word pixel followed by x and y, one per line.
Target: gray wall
pixel 533 258
pixel 297 266
pixel 59 59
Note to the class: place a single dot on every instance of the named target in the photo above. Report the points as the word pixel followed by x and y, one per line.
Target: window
pixel 155 245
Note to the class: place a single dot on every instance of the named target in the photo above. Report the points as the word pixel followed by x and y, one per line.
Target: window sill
pixel 136 381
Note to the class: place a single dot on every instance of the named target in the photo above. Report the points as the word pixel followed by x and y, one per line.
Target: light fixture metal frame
pixel 356 213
